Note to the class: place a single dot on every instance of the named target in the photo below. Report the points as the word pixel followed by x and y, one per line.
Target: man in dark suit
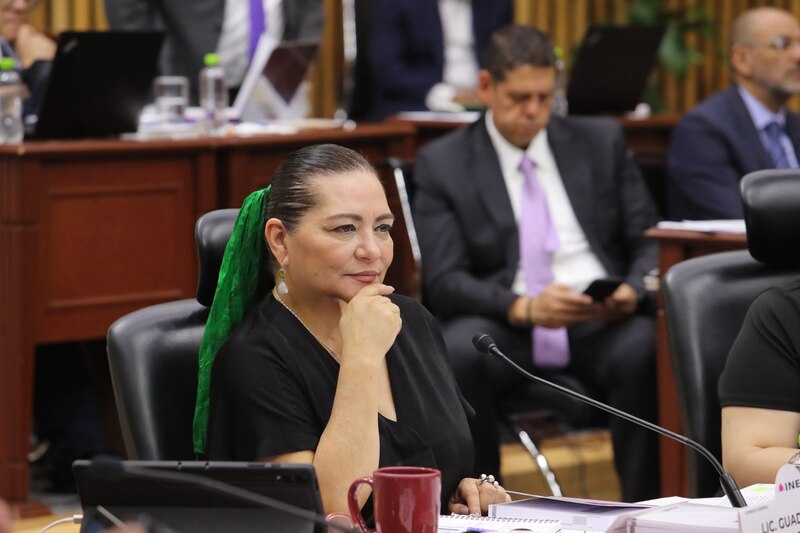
pixel 194 28
pixel 730 134
pixel 407 54
pixel 469 204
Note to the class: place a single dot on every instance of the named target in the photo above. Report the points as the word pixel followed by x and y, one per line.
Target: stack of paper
pixel 573 513
pixel 685 517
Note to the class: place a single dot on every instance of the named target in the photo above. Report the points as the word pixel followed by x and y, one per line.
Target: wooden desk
pixel 675 246
pixel 92 230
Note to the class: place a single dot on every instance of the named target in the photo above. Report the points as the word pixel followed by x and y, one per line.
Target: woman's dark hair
pixel 513 46
pixel 292 194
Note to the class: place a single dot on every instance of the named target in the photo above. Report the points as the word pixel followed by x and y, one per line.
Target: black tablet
pixel 129 492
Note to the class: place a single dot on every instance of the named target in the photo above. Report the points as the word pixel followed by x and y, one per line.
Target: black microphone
pixel 485 343
pixel 110 468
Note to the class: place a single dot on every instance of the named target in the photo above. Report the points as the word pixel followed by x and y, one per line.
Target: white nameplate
pixel 781 515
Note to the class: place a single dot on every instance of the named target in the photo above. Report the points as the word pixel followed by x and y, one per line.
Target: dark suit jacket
pixel 407 52
pixel 467 232
pixel 711 148
pixel 193 27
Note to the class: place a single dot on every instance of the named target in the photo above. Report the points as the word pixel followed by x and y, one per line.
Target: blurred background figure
pixel 32 49
pixel 228 27
pixel 426 54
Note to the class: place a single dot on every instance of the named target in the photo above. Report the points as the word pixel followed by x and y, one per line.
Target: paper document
pixel 439 116
pixel 708 226
pixel 573 513
pixel 685 517
pixel 463 523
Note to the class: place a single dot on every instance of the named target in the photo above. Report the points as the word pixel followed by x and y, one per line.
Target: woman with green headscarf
pixel 316 360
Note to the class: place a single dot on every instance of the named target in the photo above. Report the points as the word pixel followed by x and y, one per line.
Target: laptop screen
pixel 98 84
pixel 181 505
pixel 611 69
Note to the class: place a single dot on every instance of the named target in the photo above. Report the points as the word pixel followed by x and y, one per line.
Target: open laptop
pixel 275 85
pixel 98 84
pixel 190 507
pixel 611 69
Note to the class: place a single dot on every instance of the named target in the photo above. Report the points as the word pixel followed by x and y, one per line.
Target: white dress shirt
pixel 234 42
pixel 460 65
pixel 574 264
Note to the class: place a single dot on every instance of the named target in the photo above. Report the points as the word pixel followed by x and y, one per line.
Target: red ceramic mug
pixel 405 499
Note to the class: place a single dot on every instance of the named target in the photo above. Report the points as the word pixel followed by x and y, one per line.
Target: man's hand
pixel 557 306
pixel 620 304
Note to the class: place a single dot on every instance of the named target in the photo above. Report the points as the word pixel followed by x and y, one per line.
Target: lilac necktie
pixel 538 242
pixel 257 25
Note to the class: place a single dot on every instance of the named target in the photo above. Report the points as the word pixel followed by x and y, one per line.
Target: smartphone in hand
pixel 600 289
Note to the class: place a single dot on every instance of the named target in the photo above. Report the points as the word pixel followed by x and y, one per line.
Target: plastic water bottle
pixel 213 94
pixel 11 90
pixel 560 105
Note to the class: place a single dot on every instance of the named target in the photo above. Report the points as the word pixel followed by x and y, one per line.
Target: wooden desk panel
pixel 92 230
pixel 675 246
pixel 88 233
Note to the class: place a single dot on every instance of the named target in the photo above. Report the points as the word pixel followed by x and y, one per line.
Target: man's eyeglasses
pixel 781 43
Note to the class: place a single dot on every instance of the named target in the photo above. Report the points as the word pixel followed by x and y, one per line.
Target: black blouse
pixel 273 385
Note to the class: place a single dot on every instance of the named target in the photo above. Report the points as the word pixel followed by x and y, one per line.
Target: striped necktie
pixel 774 146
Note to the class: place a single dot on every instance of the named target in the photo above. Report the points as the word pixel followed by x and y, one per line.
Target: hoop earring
pixel 283 290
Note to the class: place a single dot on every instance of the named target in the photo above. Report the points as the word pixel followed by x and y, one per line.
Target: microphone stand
pixel 485 343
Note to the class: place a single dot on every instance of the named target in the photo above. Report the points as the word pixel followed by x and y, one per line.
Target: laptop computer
pixel 98 84
pixel 611 69
pixel 186 506
pixel 275 85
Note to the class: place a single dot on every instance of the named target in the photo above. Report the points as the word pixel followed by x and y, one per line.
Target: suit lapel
pixel 745 130
pixel 576 173
pixel 488 179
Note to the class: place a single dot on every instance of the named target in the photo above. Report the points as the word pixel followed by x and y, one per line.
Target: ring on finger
pixel 488 479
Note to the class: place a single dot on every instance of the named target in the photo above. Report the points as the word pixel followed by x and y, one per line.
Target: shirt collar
pixel 760 114
pixel 506 151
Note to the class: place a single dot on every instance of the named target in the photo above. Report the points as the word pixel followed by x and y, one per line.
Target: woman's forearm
pixel 349 447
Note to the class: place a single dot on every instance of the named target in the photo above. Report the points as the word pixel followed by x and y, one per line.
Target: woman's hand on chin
pixel 370 321
pixel 474 497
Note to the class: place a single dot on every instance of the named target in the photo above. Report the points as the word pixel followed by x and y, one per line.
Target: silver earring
pixel 283 290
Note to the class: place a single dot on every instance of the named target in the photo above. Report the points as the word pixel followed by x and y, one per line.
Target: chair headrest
pixel 212 232
pixel 771 201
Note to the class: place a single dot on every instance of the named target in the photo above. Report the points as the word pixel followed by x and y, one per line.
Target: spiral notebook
pixel 461 523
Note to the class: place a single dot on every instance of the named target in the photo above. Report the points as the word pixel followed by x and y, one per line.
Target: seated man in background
pixel 743 128
pixel 425 53
pixel 508 254
pixel 760 389
pixel 31 49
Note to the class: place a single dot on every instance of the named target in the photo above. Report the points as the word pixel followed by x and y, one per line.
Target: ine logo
pixel 789 485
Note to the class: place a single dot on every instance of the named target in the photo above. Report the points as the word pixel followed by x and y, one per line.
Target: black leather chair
pixel 152 355
pixel 706 299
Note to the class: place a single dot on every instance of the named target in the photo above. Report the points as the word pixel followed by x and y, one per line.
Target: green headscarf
pixel 243 280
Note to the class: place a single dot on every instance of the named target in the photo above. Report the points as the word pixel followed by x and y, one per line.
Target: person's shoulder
pixel 254 335
pixel 780 303
pixel 716 106
pixel 592 130
pixel 453 143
